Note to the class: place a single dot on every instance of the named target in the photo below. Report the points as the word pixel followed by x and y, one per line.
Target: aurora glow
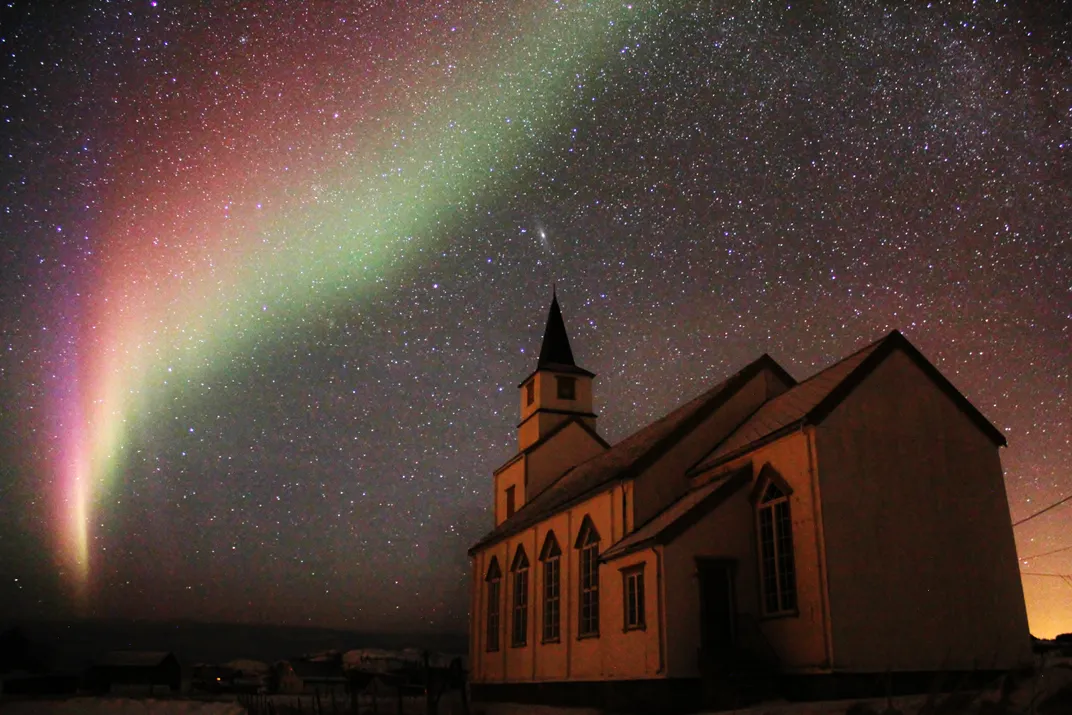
pixel 248 252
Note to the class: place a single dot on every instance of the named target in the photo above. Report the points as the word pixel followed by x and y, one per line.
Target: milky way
pixel 272 273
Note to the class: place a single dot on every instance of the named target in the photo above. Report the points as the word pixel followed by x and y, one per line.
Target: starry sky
pixel 272 271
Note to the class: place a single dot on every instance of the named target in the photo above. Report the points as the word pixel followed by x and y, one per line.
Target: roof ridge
pixel 702 398
pixel 870 346
pixel 733 480
pixel 831 396
pixel 708 461
pixel 686 412
pixel 692 489
pixel 572 419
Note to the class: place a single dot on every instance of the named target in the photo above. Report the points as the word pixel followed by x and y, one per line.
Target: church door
pixel 717 614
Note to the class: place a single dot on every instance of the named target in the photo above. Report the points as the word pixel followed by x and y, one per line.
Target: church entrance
pixel 718 609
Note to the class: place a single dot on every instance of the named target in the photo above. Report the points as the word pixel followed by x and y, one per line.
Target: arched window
pixel 520 569
pixel 550 557
pixel 493 579
pixel 588 544
pixel 775 530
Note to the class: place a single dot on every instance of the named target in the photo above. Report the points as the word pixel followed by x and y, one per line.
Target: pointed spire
pixel 556 347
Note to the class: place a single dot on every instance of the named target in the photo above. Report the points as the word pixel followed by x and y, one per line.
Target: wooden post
pixel 429 704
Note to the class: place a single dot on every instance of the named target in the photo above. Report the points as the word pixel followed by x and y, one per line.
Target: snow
pixel 120 706
pixel 1030 691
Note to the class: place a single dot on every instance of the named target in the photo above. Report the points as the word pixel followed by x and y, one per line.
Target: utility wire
pixel 1047 553
pixel 1066 577
pixel 1043 511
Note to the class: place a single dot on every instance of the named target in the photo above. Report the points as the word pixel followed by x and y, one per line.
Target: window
pixel 530 392
pixel 590 590
pixel 633 587
pixel 567 388
pixel 510 504
pixel 550 556
pixel 493 578
pixel 776 551
pixel 520 569
pixel 588 544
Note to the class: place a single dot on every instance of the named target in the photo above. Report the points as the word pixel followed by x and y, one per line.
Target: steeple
pixel 556 348
pixel 558 390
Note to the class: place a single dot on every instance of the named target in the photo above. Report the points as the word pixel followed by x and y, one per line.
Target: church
pixel 818 536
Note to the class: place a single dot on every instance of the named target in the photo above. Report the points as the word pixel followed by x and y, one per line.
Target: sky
pixel 272 271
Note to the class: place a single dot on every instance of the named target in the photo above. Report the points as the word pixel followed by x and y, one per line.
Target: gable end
pixel 896 341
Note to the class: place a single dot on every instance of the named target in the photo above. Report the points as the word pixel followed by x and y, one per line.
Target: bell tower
pixel 557 390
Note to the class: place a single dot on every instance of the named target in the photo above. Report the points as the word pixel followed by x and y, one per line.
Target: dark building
pixel 138 668
pixel 17 653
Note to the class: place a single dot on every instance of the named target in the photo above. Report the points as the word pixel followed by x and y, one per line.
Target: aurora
pixel 244 244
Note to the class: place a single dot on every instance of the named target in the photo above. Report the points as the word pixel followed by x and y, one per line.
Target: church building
pixel 845 530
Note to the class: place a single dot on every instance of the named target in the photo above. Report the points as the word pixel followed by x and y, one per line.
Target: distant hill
pixel 73 644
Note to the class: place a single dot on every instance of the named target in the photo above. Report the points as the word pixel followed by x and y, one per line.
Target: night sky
pixel 271 272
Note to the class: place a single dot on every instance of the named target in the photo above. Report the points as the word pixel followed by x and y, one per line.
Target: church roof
pixel 627 458
pixel 679 516
pixel 812 400
pixel 550 435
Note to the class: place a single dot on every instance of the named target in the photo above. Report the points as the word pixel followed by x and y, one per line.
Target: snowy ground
pixel 1028 693
pixel 119 706
pixel 1025 698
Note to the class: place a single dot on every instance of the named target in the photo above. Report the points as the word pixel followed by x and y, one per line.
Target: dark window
pixel 530 392
pixel 567 388
pixel 510 504
pixel 552 588
pixel 590 590
pixel 588 544
pixel 493 615
pixel 634 598
pixel 494 579
pixel 552 584
pixel 520 569
pixel 776 552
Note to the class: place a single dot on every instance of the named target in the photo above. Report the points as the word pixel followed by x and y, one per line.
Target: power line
pixel 1066 577
pixel 1047 553
pixel 1042 511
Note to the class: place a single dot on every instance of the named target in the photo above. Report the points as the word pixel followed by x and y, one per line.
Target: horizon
pixel 8 623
